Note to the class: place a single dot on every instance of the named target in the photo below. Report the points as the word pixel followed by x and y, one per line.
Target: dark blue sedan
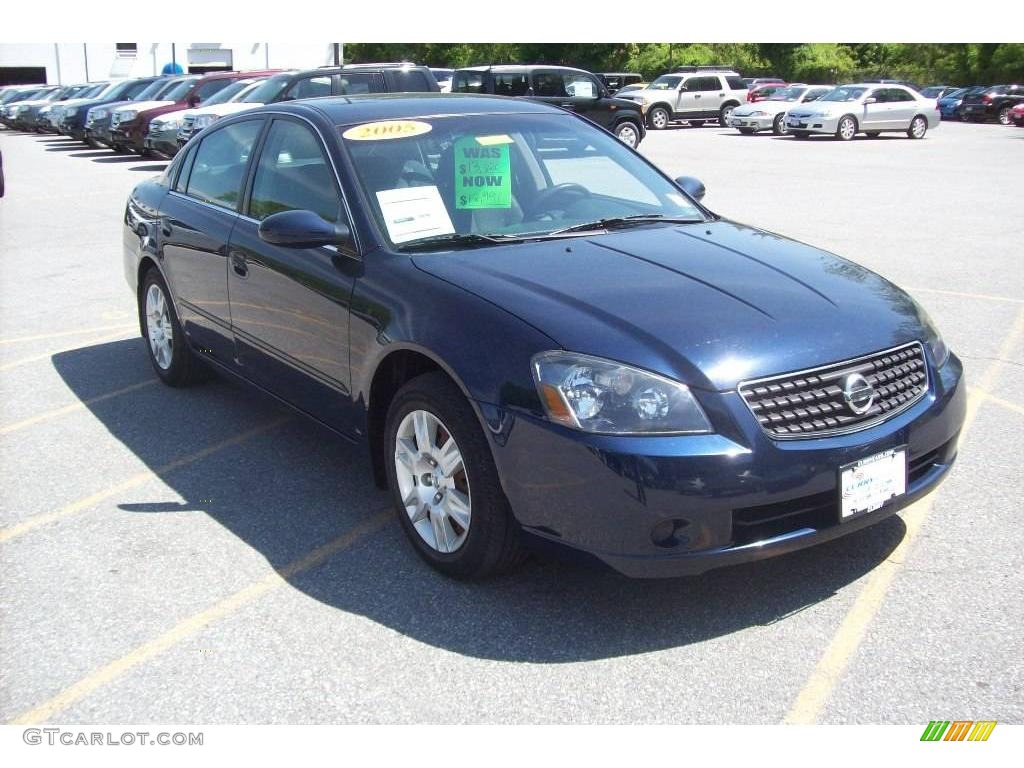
pixel 539 336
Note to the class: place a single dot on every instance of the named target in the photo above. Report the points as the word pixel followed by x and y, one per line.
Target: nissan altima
pixel 540 338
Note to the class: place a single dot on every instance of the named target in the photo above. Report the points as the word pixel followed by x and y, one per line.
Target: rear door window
pixel 511 84
pixel 310 87
pixel 703 84
pixel 736 83
pixel 549 84
pixel 360 82
pixel 468 82
pixel 411 81
pixel 221 160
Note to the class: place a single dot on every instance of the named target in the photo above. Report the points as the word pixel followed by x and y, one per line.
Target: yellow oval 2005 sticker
pixel 386 129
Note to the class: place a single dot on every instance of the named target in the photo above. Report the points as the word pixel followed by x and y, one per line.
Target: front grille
pixel 811 403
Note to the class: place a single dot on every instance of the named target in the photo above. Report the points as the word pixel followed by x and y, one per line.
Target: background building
pixel 60 63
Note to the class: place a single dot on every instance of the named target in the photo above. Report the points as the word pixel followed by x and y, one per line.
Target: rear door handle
pixel 238 264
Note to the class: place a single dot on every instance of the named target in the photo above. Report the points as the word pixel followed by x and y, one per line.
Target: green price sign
pixel 482 175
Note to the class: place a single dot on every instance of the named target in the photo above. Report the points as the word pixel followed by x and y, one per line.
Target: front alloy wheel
pixel 432 481
pixel 659 118
pixel 1004 116
pixel 628 134
pixel 779 124
pixel 846 129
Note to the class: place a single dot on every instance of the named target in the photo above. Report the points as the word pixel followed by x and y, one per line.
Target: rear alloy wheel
pixel 779 124
pixel 658 118
pixel 918 128
pixel 172 359
pixel 1004 116
pixel 444 483
pixel 846 129
pixel 628 134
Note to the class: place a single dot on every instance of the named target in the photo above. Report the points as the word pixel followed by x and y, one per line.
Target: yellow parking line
pixel 77 332
pixel 963 295
pixel 827 674
pixel 998 400
pixel 56 412
pixel 6 534
pixel 48 355
pixel 195 623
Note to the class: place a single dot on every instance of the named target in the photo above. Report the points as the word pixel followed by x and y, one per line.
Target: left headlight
pixel 758 113
pixel 938 348
pixel 605 397
pixel 69 111
pixel 167 125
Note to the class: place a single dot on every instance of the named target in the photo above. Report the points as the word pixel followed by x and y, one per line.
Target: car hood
pixel 221 110
pixel 709 304
pixel 142 106
pixel 826 108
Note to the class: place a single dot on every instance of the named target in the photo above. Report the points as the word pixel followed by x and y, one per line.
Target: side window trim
pixel 183 170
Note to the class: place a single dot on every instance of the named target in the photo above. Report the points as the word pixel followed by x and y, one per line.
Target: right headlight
pixel 204 121
pixel 605 397
pixel 939 350
pixel 98 114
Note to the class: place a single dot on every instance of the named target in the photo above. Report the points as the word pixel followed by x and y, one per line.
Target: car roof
pixel 518 68
pixel 346 110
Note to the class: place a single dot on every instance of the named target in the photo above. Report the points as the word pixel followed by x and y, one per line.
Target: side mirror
pixel 302 229
pixel 691 186
pixel 870 100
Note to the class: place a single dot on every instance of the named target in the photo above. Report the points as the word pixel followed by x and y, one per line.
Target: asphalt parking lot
pixel 205 556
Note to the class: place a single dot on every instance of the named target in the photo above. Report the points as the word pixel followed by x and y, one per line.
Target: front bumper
pixel 747 121
pixel 128 136
pixel 671 506
pixel 812 124
pixel 164 142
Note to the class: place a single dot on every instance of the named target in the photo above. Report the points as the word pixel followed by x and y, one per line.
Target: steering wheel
pixel 545 199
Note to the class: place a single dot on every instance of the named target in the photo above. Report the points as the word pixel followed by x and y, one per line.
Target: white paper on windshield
pixel 414 212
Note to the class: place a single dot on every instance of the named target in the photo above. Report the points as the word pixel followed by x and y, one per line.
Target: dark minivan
pixel 574 89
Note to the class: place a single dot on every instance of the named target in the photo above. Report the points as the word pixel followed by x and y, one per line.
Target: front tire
pixel 169 353
pixel 847 128
pixel 658 118
pixel 628 134
pixel 747 131
pixel 918 128
pixel 444 483
pixel 779 124
pixel 1004 116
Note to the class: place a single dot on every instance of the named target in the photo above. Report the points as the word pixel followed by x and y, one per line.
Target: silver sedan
pixel 770 114
pixel 869 108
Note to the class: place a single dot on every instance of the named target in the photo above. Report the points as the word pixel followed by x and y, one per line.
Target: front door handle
pixel 566 106
pixel 238 264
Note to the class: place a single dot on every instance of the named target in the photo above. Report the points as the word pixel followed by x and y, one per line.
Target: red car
pixel 765 91
pixel 1017 115
pixel 130 134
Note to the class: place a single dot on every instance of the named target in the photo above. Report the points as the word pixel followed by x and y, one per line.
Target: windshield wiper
pixel 458 238
pixel 624 221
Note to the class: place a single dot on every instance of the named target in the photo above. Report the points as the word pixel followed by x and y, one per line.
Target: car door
pixel 290 306
pixel 549 86
pixel 875 116
pixel 903 107
pixel 196 220
pixel 701 97
pixel 585 97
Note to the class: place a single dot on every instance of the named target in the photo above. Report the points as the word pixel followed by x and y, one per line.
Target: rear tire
pixel 473 535
pixel 918 128
pixel 724 113
pixel 172 358
pixel 658 118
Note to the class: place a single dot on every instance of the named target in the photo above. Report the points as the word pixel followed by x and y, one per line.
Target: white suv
pixel 694 96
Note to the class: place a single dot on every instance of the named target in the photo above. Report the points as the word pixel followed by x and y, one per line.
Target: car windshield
pixel 268 91
pixel 665 83
pixel 844 94
pixel 177 93
pixel 504 175
pixel 96 90
pixel 957 93
pixel 152 90
pixel 228 92
pixel 788 94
